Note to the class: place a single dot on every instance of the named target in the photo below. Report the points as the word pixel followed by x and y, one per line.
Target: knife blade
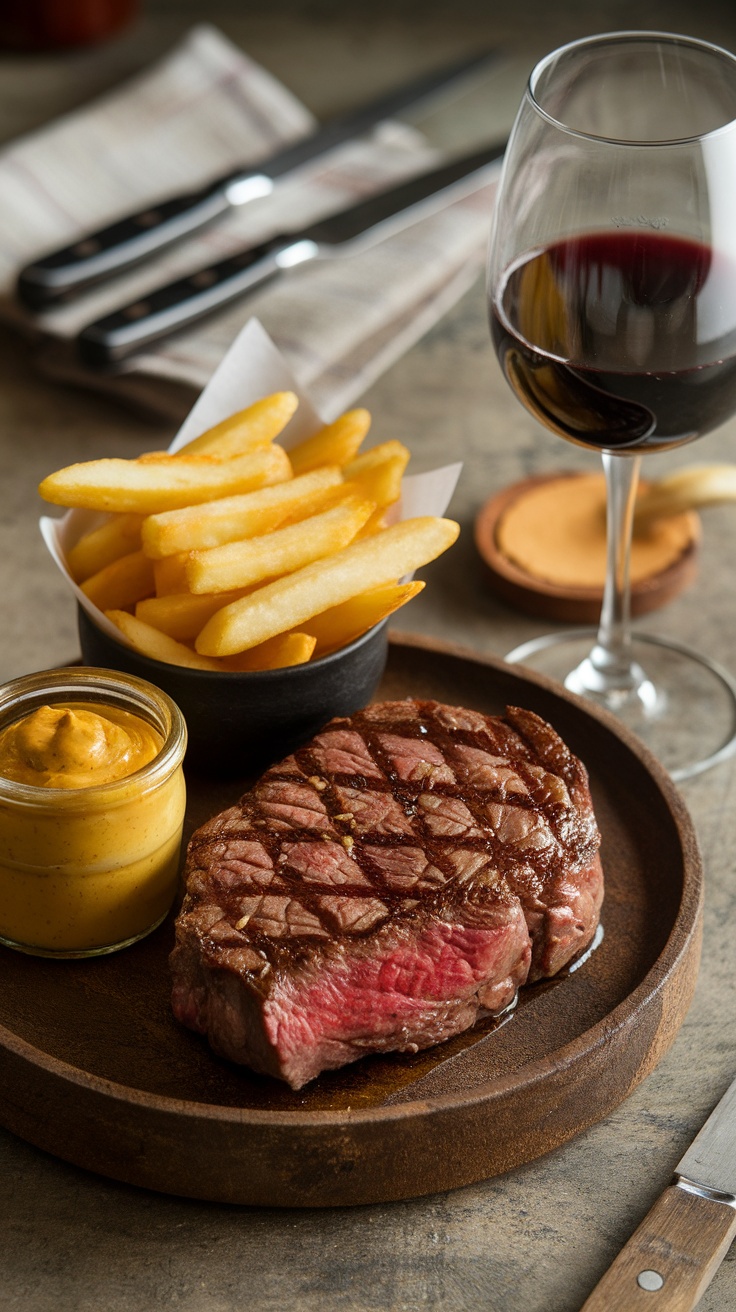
pixel 129 240
pixel 671 1258
pixel 177 304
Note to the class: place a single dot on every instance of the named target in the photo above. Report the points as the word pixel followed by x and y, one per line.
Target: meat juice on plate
pixel 622 340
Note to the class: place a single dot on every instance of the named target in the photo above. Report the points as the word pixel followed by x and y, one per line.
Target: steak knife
pixel 672 1257
pixel 180 303
pixel 129 240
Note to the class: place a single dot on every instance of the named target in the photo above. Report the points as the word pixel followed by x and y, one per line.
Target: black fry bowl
pixel 239 723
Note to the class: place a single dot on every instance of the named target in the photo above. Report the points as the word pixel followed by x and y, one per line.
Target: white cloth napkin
pixel 203 109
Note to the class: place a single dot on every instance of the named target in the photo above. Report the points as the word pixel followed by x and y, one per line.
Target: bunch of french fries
pixel 233 555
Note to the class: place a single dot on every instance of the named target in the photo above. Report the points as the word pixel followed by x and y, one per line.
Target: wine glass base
pixel 683 708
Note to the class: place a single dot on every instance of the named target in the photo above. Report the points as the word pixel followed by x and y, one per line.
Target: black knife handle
pixel 100 254
pixel 178 304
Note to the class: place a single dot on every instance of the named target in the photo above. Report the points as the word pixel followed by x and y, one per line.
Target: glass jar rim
pixel 622 37
pixel 92 683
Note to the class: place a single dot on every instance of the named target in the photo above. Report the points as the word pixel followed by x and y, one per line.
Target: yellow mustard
pixel 92 800
pixel 76 746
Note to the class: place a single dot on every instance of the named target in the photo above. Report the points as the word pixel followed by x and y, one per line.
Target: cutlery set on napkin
pixel 160 205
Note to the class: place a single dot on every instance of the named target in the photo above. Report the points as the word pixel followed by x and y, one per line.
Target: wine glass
pixel 612 289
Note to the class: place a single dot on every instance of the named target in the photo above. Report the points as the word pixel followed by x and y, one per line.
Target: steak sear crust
pixel 405 871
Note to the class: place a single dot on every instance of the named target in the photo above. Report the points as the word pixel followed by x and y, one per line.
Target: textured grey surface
pixel 538 1239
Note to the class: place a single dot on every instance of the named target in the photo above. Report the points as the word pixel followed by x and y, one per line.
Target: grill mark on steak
pixel 475 735
pixel 412 832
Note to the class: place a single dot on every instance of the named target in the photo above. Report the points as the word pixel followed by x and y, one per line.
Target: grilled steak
pixel 404 872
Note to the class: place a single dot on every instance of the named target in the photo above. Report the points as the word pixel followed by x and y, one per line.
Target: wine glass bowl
pixel 612 296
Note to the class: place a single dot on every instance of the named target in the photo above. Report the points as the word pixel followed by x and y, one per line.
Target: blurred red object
pixel 50 24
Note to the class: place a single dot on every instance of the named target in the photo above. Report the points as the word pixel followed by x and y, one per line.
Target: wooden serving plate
pixel 563 602
pixel 94 1069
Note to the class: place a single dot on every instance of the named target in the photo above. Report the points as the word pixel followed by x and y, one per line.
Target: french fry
pixel 122 583
pixel 255 426
pixel 287 603
pixel 283 650
pixel 375 524
pixel 274 654
pixel 159 646
pixel 150 486
pixel 216 522
pixel 180 614
pixel 117 537
pixel 342 624
pixel 335 444
pixel 378 472
pixel 238 564
pixel 170 574
pixel 238 557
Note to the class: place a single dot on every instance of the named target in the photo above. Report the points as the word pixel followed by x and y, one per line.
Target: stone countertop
pixel 535 1240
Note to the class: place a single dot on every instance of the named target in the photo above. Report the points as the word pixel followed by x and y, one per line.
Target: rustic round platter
pixel 563 602
pixel 94 1069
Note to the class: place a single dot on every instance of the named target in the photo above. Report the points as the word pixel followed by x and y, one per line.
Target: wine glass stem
pixel 613 647
pixel 609 672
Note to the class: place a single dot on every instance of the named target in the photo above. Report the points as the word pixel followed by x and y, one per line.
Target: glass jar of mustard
pixel 92 800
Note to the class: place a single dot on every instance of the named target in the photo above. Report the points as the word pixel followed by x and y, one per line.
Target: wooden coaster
pixel 543 541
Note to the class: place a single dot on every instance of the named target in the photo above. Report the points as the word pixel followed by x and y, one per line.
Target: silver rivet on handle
pixel 650 1280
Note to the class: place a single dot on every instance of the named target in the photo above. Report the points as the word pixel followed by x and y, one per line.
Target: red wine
pixel 621 340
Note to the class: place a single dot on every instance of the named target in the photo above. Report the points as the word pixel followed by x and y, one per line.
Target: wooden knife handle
pixel 682 1242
